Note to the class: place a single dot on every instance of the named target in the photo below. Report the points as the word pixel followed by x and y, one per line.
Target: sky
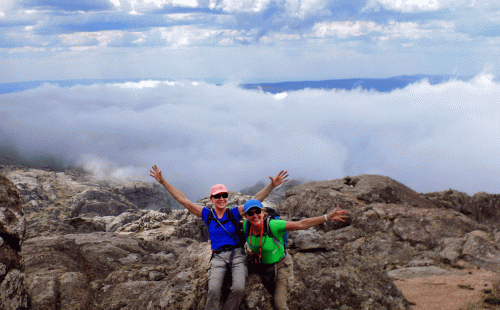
pixel 246 41
pixel 430 137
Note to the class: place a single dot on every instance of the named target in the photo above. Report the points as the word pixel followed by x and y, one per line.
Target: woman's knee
pixel 214 291
pixel 238 288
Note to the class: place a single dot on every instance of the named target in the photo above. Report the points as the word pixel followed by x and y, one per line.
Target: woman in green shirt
pixel 275 266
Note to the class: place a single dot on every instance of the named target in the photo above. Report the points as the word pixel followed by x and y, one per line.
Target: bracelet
pixel 326 219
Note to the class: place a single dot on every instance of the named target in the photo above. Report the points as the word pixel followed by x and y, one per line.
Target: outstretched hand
pixel 279 179
pixel 337 215
pixel 156 173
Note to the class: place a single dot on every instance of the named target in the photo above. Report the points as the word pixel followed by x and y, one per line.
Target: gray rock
pixel 121 220
pixel 481 250
pixel 418 272
pixel 485 208
pixel 451 250
pixel 43 291
pixel 308 240
pixel 13 292
pixel 74 291
pixel 12 221
pixel 147 196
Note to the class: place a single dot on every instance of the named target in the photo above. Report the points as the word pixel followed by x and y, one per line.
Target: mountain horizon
pixel 378 84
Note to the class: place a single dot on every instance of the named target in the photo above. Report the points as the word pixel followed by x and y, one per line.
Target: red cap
pixel 217 189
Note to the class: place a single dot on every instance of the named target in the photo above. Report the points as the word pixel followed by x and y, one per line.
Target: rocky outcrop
pixel 72 201
pixel 394 225
pixel 482 207
pixel 13 293
pixel 94 244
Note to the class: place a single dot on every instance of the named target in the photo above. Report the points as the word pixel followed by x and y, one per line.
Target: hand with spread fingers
pixel 280 178
pixel 156 173
pixel 337 215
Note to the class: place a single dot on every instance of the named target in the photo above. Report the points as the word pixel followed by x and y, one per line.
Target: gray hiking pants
pixel 219 264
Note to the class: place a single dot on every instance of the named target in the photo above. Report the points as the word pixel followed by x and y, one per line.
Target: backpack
pixel 272 214
pixel 237 224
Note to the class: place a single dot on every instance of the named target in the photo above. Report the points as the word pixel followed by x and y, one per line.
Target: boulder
pixel 485 208
pixel 100 202
pixel 350 191
pixel 147 196
pixel 481 249
pixel 482 207
pixel 13 292
pixel 451 199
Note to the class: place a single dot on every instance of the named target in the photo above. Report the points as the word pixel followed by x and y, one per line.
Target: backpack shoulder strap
pixel 232 219
pixel 267 229
pixel 210 216
pixel 246 228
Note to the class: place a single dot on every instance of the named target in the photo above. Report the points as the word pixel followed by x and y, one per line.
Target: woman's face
pixel 255 219
pixel 219 200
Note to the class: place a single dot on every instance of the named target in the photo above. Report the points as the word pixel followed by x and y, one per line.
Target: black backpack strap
pixel 210 216
pixel 232 219
pixel 238 226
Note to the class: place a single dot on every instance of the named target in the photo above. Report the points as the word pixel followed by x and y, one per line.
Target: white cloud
pixel 394 30
pixel 304 8
pixel 276 36
pixel 180 36
pixel 430 137
pixel 5 7
pixel 116 3
pixel 345 29
pixel 295 8
pixel 412 6
pixel 140 7
pixel 101 38
pixel 26 49
pixel 240 6
pixel 185 3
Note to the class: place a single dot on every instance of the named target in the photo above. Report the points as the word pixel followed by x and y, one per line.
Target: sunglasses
pixel 223 195
pixel 251 212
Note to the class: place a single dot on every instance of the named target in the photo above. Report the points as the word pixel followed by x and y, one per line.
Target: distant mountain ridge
pixel 382 85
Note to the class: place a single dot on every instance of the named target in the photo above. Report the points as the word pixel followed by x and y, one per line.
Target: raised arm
pixel 275 182
pixel 336 215
pixel 177 194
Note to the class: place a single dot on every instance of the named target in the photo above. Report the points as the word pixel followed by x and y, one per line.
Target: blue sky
pixel 428 136
pixel 245 41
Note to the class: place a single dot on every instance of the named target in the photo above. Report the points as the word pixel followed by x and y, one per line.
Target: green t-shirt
pixel 270 253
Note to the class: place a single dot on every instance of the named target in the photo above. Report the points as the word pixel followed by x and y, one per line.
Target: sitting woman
pixel 274 266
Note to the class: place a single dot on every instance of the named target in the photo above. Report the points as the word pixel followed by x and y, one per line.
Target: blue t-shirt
pixel 218 235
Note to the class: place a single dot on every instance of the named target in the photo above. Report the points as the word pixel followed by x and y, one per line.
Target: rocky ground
pixel 94 244
pixel 471 288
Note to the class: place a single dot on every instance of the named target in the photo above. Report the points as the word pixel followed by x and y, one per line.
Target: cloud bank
pixel 429 137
